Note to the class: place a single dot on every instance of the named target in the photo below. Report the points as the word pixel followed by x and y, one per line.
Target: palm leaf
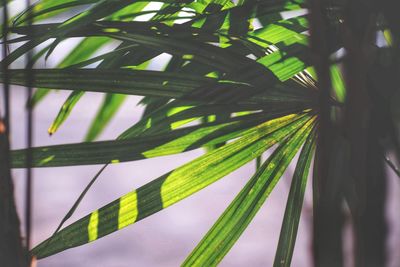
pixel 221 237
pixel 109 107
pixel 169 188
pixel 287 238
pixel 144 147
pixel 230 85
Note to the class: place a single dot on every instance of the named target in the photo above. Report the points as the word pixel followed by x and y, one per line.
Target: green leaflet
pixel 283 63
pixel 153 83
pixel 65 110
pixel 109 60
pixel 224 68
pixel 248 68
pixel 388 37
pixel 140 147
pixel 161 119
pixel 107 8
pixel 281 32
pixel 215 57
pixel 85 49
pixel 277 30
pixel 108 108
pixel 113 102
pixel 80 198
pixel 169 188
pixel 294 204
pixel 282 69
pixel 338 83
pixel 222 236
pixel 146 83
pixel 103 8
pixel 289 46
pixel 46 9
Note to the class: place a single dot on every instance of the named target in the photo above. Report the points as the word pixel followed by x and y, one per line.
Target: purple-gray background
pixel 166 238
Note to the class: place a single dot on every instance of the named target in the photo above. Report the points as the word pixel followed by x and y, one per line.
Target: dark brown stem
pixel 12 252
pixel 366 188
pixel 327 241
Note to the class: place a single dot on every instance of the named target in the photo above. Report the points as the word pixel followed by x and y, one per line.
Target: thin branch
pixel 29 140
pixel 390 163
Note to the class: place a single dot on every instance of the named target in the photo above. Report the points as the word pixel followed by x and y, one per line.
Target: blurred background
pixel 166 238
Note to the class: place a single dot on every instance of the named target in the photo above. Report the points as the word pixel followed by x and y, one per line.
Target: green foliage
pixel 251 80
pixel 240 69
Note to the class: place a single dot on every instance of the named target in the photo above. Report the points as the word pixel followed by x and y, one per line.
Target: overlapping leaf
pixel 221 237
pixel 236 73
pixel 171 187
pixel 287 238
pixel 206 20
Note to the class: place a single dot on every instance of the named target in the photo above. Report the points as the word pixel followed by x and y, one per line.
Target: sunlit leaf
pixel 222 236
pixel 169 188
